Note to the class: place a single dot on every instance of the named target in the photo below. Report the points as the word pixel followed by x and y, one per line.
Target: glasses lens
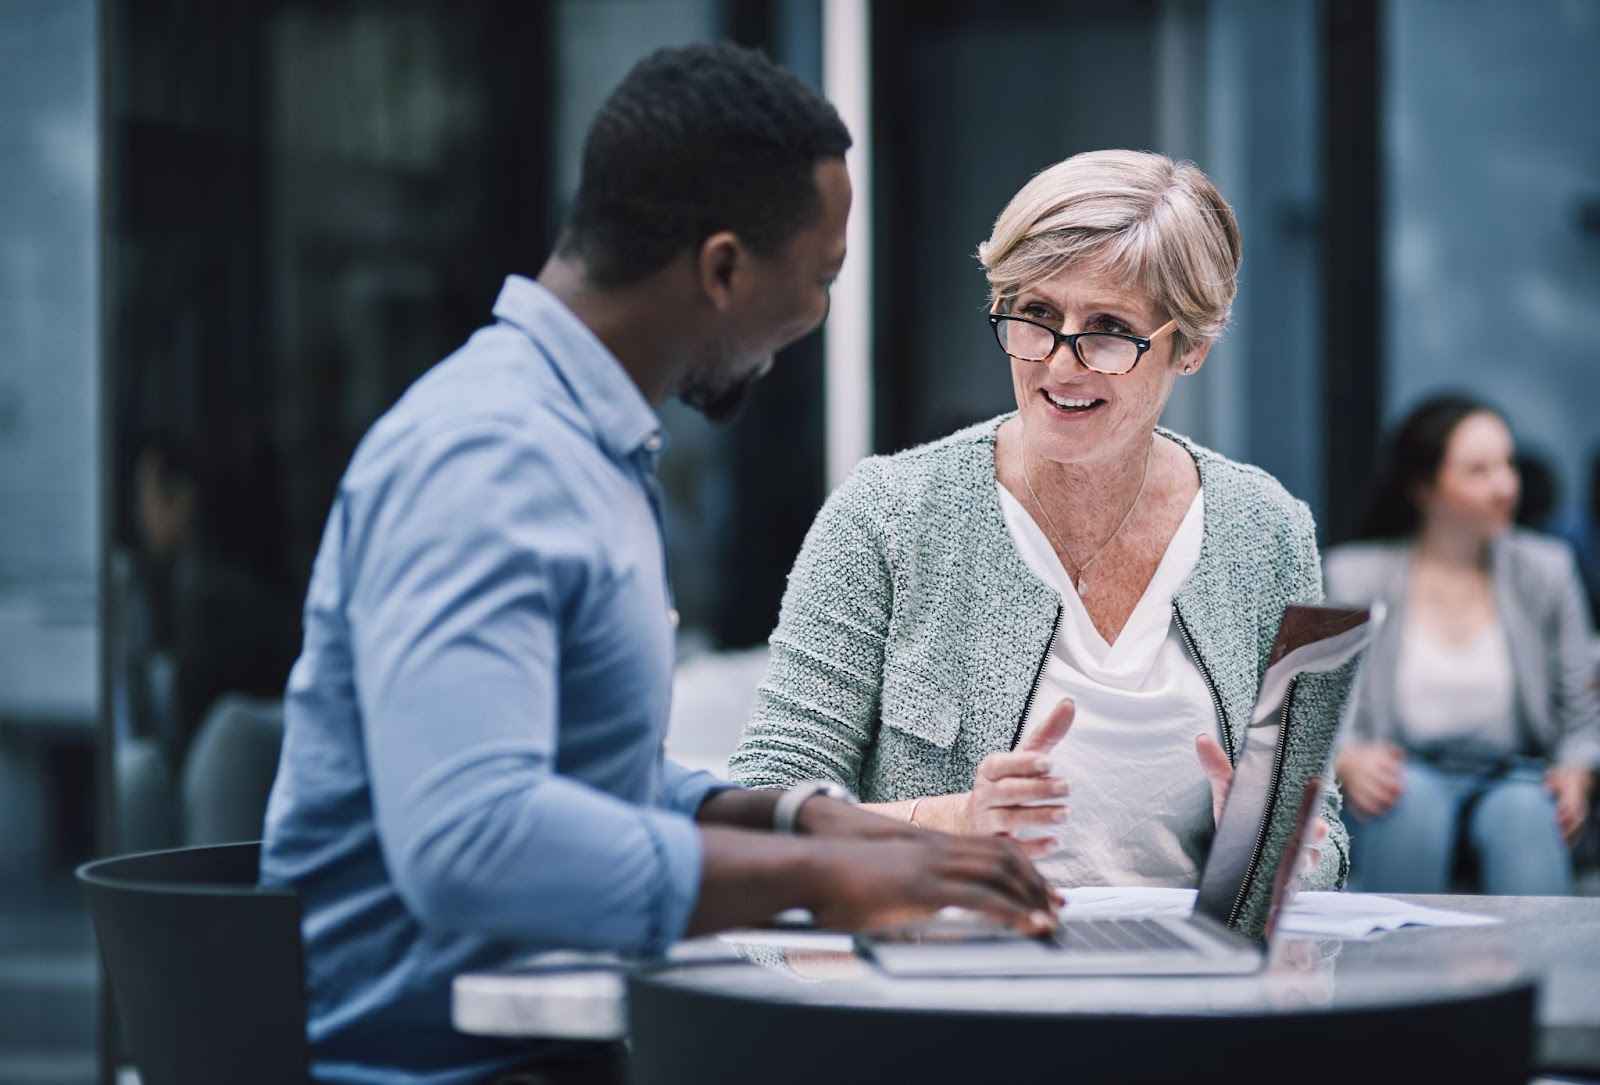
pixel 1022 340
pixel 1107 353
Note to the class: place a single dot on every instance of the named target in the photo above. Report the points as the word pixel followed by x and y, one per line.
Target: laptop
pixel 1248 875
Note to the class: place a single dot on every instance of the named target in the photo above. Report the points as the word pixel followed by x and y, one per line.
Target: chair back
pixel 228 774
pixel 205 966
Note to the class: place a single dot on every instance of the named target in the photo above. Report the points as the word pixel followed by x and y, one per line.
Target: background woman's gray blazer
pixel 1541 603
pixel 912 633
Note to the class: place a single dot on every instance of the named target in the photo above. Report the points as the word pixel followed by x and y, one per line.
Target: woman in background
pixel 1474 718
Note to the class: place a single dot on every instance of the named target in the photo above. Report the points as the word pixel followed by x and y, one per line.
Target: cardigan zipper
pixel 1272 801
pixel 1038 677
pixel 1211 686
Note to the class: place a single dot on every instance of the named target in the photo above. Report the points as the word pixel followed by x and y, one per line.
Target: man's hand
pixel 1572 785
pixel 1373 775
pixel 864 884
pixel 1014 791
pixel 857 882
pixel 1219 774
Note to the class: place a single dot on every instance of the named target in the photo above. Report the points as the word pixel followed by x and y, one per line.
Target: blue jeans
pixel 1510 827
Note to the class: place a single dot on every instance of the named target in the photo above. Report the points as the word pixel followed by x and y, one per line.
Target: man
pixel 472 768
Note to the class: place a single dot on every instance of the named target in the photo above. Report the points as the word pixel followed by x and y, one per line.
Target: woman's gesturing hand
pixel 1219 773
pixel 1015 791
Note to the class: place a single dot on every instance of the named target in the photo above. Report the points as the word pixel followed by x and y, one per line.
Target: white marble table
pixel 1556 940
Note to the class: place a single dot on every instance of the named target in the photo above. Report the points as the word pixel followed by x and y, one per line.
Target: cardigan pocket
pixel 916 706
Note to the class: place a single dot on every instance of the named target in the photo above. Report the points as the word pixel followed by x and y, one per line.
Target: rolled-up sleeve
pixel 686 790
pixel 461 565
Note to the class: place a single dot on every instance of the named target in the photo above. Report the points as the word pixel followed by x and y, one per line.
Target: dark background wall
pixel 969 102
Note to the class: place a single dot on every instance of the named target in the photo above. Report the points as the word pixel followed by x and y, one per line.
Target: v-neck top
pixel 1140 804
pixel 1457 696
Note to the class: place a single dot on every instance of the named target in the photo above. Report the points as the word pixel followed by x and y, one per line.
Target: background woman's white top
pixel 1460 695
pixel 1141 807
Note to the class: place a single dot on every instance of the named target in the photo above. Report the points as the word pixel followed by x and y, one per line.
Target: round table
pixel 1311 1016
pixel 1418 1003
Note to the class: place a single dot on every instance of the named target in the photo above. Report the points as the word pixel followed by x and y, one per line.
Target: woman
pixel 1475 718
pixel 1065 597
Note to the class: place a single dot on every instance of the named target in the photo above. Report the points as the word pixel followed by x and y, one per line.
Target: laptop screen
pixel 1246 849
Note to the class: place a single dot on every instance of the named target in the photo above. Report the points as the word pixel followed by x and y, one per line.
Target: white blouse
pixel 1140 804
pixel 1457 696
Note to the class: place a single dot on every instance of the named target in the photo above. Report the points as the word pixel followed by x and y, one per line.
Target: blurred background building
pixel 233 233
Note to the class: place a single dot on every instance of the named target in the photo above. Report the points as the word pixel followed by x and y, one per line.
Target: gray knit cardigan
pixel 912 632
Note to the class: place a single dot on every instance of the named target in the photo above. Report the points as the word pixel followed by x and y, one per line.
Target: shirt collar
pixel 622 417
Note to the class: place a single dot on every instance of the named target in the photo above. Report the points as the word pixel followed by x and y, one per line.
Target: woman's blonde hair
pixel 1158 225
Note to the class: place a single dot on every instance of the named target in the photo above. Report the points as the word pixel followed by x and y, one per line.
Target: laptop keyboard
pixel 1118 936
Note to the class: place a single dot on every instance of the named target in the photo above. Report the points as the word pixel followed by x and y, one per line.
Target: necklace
pixel 1055 536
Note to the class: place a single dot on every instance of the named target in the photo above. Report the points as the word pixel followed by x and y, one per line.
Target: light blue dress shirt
pixel 472 767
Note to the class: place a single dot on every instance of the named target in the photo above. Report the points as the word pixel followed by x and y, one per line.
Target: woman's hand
pixel 1572 785
pixel 1219 773
pixel 1373 775
pixel 1014 791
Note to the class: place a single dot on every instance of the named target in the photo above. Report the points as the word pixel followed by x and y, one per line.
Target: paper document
pixel 1321 914
pixel 815 941
pixel 1357 915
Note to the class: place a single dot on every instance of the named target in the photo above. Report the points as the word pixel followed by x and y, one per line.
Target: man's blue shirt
pixel 472 768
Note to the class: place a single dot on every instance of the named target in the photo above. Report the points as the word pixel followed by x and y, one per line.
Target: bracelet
pixel 912 820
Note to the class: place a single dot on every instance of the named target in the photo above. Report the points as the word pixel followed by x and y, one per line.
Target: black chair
pixel 228 773
pixel 205 966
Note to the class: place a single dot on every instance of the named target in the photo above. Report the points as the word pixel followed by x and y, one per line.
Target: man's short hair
pixel 693 141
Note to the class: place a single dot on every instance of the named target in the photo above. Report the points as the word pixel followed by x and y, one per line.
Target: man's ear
pixel 718 264
pixel 1191 362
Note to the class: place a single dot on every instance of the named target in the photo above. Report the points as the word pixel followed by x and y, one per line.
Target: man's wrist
pixel 822 815
pixel 738 808
pixel 786 813
pixel 812 873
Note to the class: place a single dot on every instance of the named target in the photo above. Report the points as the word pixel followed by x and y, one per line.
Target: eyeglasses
pixel 1104 352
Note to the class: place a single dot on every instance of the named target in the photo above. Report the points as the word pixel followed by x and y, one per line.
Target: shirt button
pixel 652 443
pixel 672 617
